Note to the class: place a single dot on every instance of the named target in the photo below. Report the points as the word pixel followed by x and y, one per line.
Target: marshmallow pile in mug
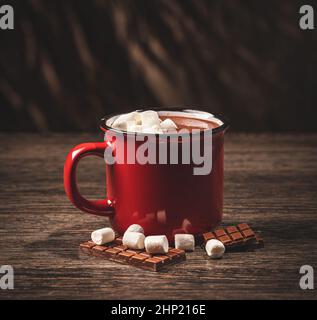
pixel 145 122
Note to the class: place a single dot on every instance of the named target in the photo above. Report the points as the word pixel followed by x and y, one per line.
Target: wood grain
pixel 270 182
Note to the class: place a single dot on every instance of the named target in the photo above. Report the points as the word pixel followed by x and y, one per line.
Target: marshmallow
pixel 168 124
pixel 135 228
pixel 122 121
pixel 134 240
pixel 145 122
pixel 150 118
pixel 156 244
pixel 153 129
pixel 215 249
pixel 102 236
pixel 185 242
pixel 132 127
pixel 137 118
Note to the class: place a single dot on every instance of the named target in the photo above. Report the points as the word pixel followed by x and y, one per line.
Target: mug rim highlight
pixel 222 128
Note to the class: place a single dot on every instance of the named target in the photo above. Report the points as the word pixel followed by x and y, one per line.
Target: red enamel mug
pixel 162 198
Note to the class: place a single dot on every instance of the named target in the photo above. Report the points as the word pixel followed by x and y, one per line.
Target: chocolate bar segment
pixel 226 240
pixel 163 258
pixel 231 229
pixel 240 237
pixel 243 226
pixel 219 233
pixel 137 259
pixel 120 247
pixel 98 250
pixel 116 251
pixel 86 246
pixel 248 233
pixel 152 264
pixel 208 235
pixel 109 253
pixel 125 256
pixel 236 236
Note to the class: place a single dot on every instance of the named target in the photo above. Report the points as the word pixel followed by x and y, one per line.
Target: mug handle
pixel 98 207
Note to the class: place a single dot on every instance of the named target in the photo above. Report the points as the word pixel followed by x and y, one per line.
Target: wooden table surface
pixel 270 182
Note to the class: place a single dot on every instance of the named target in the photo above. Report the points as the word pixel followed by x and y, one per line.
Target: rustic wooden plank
pixel 270 182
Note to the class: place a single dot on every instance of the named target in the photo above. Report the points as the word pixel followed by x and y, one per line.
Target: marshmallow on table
pixel 156 244
pixel 135 228
pixel 185 242
pixel 102 236
pixel 133 240
pixel 215 248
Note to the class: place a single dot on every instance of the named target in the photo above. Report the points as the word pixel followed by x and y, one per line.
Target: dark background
pixel 68 63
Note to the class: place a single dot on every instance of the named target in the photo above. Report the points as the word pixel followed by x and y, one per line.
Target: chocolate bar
pixel 116 251
pixel 240 237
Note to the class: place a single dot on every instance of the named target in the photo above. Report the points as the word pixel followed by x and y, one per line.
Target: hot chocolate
pixel 186 122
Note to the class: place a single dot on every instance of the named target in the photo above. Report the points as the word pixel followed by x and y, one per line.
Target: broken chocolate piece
pixel 240 237
pixel 116 251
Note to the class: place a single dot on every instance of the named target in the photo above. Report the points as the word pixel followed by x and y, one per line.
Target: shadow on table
pixel 63 243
